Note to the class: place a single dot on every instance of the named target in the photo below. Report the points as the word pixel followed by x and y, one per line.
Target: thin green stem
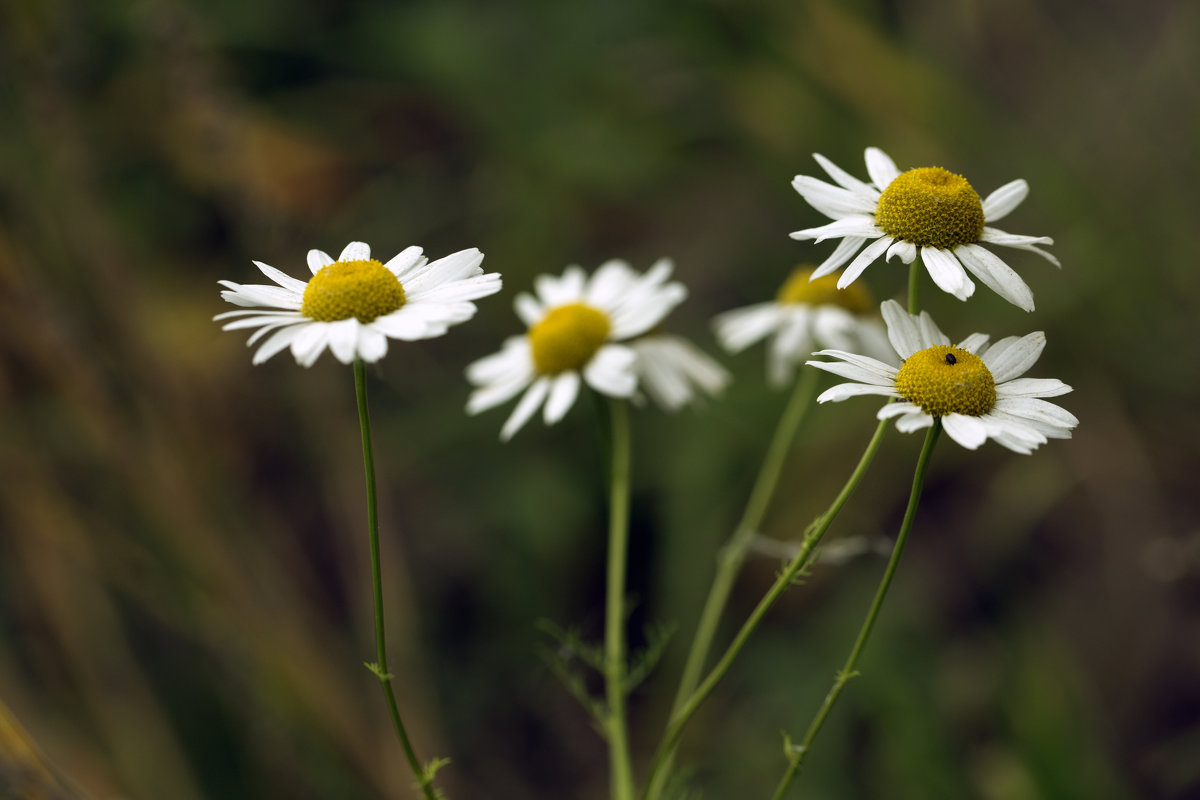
pixel 614 628
pixel 914 286
pixel 733 554
pixel 812 537
pixel 424 780
pixel 796 758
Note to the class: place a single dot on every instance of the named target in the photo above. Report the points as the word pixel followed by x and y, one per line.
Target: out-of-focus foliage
pixel 184 601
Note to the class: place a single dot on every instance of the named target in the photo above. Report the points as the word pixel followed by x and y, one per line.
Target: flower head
pixel 975 390
pixel 928 210
pixel 355 304
pixel 675 372
pixel 575 326
pixel 806 314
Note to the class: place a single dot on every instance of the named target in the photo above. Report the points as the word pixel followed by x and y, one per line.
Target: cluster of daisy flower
pixel 602 330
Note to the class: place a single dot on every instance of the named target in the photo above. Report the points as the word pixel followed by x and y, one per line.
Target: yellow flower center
pixel 947 380
pixel 798 289
pixel 567 338
pixel 344 289
pixel 931 207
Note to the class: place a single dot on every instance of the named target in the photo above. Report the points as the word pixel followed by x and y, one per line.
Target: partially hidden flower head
pixel 928 211
pixel 355 304
pixel 577 326
pixel 806 315
pixel 674 372
pixel 975 389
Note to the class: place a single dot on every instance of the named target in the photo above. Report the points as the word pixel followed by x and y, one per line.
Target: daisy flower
pixel 575 326
pixel 674 371
pixel 355 304
pixel 806 314
pixel 929 210
pixel 975 390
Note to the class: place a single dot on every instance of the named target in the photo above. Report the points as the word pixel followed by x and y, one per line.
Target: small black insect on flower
pixel 950 359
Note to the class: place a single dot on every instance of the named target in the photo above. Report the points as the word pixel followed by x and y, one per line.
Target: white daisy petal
pixel 1038 411
pixel 881 168
pixel 845 179
pixel 840 255
pixel 863 260
pixel 860 225
pixel 1000 203
pixel 832 201
pixel 266 296
pixel 882 373
pixel 526 407
pixel 929 332
pixel 903 331
pixel 309 343
pixel 970 432
pixel 528 309
pixel 947 272
pixel 791 343
pixel 738 329
pixel 1015 359
pixel 318 259
pixel 994 236
pixel 343 339
pixel 494 394
pixel 563 391
pixel 974 342
pixel 278 341
pixel 454 267
pixel 611 371
pixel 356 251
pixel 459 291
pixel 406 262
pixel 284 280
pixel 372 345
pixel 913 421
pixel 907 251
pixel 844 391
pixel 671 369
pixel 855 372
pixel 996 275
pixel 898 410
pixel 1033 387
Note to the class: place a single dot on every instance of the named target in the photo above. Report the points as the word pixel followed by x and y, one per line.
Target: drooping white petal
pixel 309 343
pixel 947 272
pixel 907 251
pixel 898 410
pixel 372 345
pixel 278 341
pixel 493 394
pixel 1015 358
pixel 881 168
pixel 1000 203
pixel 841 254
pixel 915 421
pixel 863 260
pixel 612 371
pixel 996 275
pixel 790 344
pixel 970 432
pixel 343 339
pixel 994 236
pixel 564 388
pixel 526 407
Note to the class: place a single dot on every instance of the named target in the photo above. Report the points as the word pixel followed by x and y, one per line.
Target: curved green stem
pixel 380 668
pixel 614 629
pixel 812 537
pixel 796 758
pixel 733 554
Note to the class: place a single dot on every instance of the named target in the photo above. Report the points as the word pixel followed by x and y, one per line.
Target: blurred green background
pixel 184 595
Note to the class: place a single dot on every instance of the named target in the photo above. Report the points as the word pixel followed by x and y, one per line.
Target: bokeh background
pixel 184 595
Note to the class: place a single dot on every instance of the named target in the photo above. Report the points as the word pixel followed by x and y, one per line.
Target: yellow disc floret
pixel 567 338
pixel 799 289
pixel 931 207
pixel 362 289
pixel 947 380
